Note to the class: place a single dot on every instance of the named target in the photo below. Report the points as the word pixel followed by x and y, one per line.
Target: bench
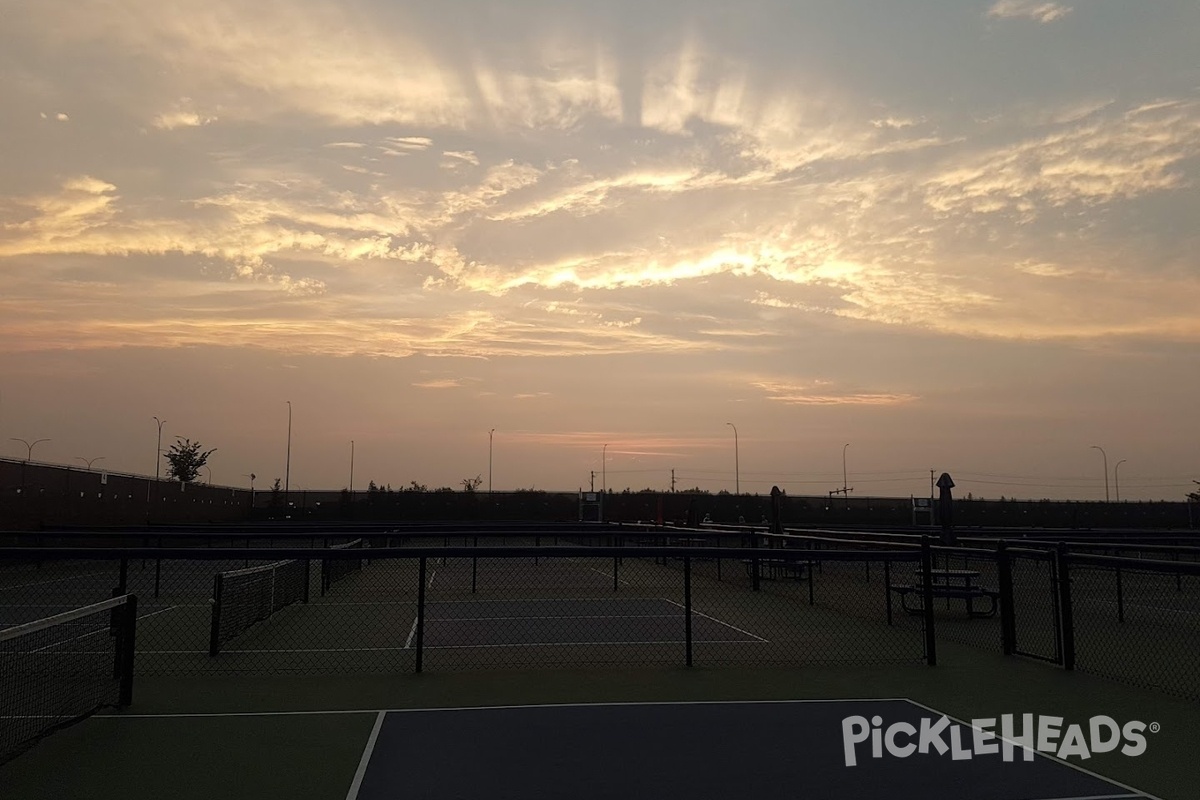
pixel 970 594
pixel 777 568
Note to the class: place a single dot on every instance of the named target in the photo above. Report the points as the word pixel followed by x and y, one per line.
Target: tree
pixel 471 484
pixel 185 460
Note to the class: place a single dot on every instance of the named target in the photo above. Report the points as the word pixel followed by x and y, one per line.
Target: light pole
pixel 251 476
pixel 207 467
pixel 28 456
pixel 737 467
pixel 157 458
pixel 1117 477
pixel 351 469
pixel 492 431
pixel 845 491
pixel 604 469
pixel 89 461
pixel 287 470
pixel 1105 455
pixel 28 446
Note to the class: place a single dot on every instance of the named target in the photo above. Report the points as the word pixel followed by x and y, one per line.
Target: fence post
pixel 887 588
pixel 123 576
pixel 474 565
pixel 420 638
pixel 126 651
pixel 687 605
pixel 214 636
pixel 754 561
pixel 1120 597
pixel 927 593
pixel 1008 626
pixel 1064 602
pixel 307 577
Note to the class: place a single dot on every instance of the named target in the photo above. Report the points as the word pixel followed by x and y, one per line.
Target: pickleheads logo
pixel 1042 734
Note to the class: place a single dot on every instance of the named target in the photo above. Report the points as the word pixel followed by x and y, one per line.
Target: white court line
pixel 411 633
pixel 342 711
pixel 361 772
pixel 1099 797
pixel 54 580
pixel 672 642
pixel 600 572
pixel 714 619
pixel 1132 791
pixel 1143 605
pixel 564 616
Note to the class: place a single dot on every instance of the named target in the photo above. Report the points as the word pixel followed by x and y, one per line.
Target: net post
pixel 927 593
pixel 420 635
pixel 687 605
pixel 1064 601
pixel 127 650
pixel 1008 623
pixel 214 636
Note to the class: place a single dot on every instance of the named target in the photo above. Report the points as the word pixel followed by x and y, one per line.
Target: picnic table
pixel 950 584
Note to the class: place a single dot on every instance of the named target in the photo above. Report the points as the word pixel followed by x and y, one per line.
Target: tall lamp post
pixel 604 469
pixel 737 468
pixel 1117 477
pixel 28 446
pixel 845 490
pixel 287 470
pixel 28 456
pixel 157 459
pixel 209 469
pixel 1105 455
pixel 89 461
pixel 492 431
pixel 352 469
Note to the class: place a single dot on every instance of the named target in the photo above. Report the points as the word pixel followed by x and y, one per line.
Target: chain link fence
pixel 362 607
pixel 1137 621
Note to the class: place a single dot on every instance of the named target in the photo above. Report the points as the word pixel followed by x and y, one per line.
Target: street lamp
pixel 845 491
pixel 604 469
pixel 492 431
pixel 1105 455
pixel 157 458
pixel 89 461
pixel 1117 477
pixel 207 467
pixel 28 446
pixel 351 469
pixel 737 468
pixel 287 471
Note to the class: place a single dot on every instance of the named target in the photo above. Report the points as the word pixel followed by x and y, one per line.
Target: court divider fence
pixel 812 599
pixel 417 608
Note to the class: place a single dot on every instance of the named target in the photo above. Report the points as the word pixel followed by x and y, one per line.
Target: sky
pixel 952 236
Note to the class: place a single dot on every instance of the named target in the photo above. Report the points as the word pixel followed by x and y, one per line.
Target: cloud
pixel 170 120
pixel 817 393
pixel 1029 9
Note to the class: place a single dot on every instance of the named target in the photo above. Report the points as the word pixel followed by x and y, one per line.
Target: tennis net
pixel 335 569
pixel 244 597
pixel 59 670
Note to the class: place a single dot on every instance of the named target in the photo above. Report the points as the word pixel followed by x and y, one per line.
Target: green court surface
pixel 225 736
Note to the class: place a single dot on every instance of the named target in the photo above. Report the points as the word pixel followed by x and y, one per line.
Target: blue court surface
pixel 760 750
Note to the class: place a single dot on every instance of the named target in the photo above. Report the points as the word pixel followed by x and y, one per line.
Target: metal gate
pixel 1036 616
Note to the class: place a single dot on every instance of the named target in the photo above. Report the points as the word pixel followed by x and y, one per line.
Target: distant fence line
pixel 35 495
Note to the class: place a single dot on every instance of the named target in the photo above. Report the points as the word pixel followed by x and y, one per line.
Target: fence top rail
pixel 1181 549
pixel 1143 564
pixel 314 553
pixel 843 540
